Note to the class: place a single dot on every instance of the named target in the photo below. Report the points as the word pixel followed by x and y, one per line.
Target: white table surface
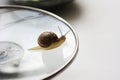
pixel 97 23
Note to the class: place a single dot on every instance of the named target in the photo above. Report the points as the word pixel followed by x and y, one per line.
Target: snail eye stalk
pixel 60 31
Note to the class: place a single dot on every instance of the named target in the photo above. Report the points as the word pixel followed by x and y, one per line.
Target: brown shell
pixel 47 38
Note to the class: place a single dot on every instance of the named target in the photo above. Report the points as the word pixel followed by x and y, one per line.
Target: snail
pixel 49 40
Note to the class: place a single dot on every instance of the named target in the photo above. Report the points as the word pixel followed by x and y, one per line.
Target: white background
pixel 97 23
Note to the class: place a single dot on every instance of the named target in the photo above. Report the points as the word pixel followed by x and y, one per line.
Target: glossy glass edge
pixel 59 18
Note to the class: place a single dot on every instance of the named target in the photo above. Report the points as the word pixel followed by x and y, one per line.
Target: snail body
pixel 49 40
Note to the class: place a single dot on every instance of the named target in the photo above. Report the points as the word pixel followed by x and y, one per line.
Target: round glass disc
pixel 22 26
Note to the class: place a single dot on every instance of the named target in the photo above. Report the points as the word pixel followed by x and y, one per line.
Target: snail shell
pixel 47 38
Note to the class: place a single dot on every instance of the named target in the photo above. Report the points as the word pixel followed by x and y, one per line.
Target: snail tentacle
pixel 53 45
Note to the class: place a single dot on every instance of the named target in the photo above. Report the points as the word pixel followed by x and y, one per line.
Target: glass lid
pixel 34 44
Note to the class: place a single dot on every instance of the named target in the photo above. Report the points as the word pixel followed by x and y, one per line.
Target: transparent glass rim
pixel 59 18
